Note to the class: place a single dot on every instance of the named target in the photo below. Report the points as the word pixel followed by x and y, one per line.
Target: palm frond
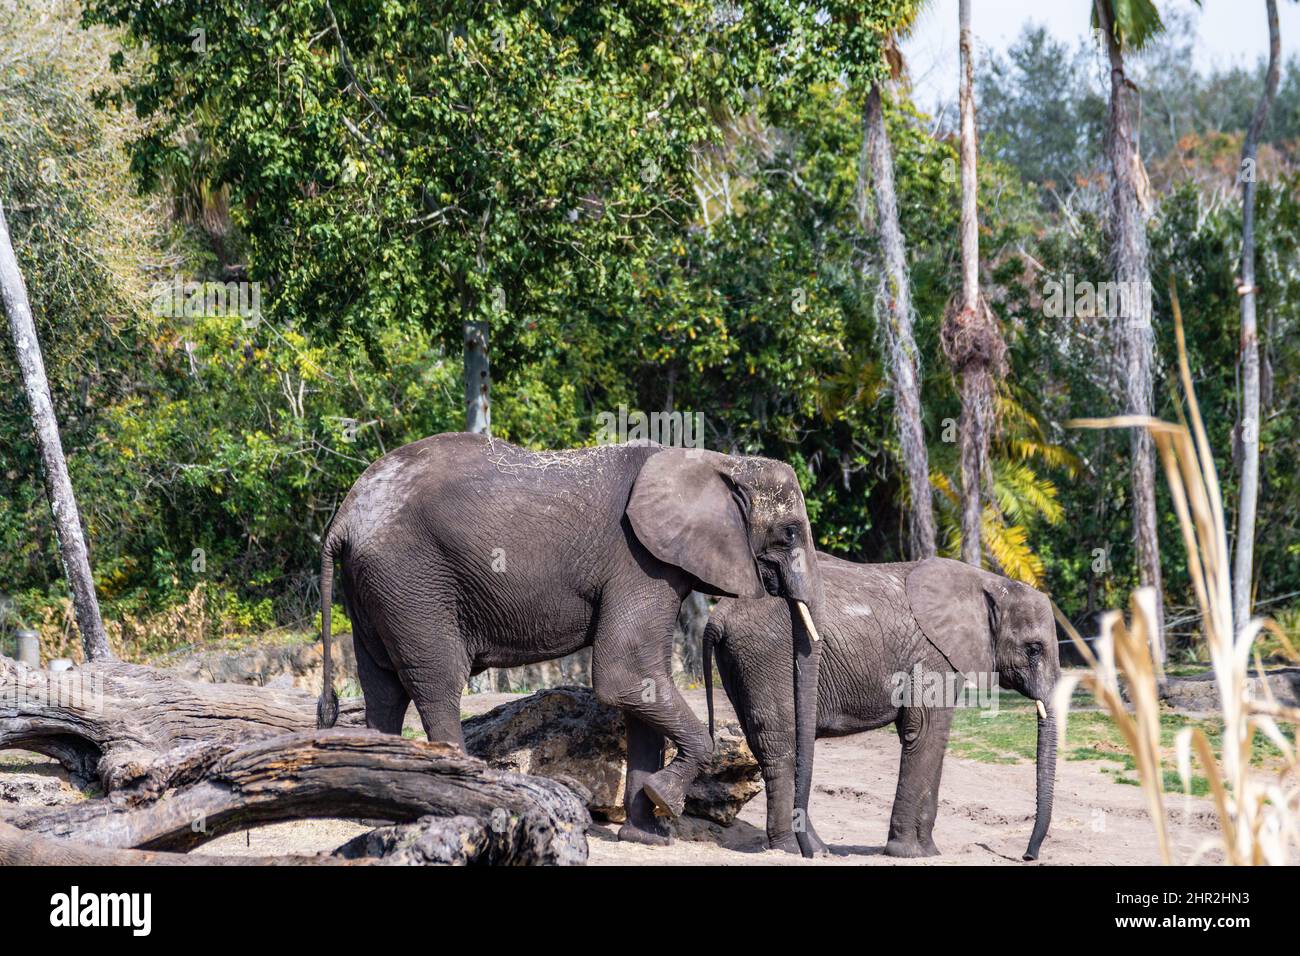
pixel 1008 545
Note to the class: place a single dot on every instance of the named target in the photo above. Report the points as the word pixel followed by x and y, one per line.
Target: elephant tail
pixel 327 708
pixel 706 648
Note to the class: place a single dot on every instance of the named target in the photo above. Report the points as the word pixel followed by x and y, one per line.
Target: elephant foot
pixel 667 791
pixel 911 849
pixel 786 843
pixel 652 834
pixel 809 845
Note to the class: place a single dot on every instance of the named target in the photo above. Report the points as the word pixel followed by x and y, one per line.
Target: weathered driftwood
pixel 430 841
pixel 109 722
pixel 226 757
pixel 20 848
pixel 483 815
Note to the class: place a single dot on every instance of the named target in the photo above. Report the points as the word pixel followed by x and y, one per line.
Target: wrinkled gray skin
pixel 881 620
pixel 461 553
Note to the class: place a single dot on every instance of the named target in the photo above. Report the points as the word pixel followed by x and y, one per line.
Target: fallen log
pixel 482 815
pixel 20 848
pixel 430 841
pixel 109 722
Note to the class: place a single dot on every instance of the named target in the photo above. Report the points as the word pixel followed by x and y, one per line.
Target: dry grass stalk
pixel 1258 811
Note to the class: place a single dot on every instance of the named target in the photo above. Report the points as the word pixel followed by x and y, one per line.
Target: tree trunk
pixel 108 722
pixel 491 816
pixel 971 338
pixel 974 438
pixel 894 312
pixel 1249 426
pixel 183 762
pixel 1129 259
pixel 58 487
pixel 970 236
pixel 478 380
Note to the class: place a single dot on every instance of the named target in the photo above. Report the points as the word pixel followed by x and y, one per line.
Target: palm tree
pixel 1020 498
pixel 58 488
pixel 971 338
pixel 1248 427
pixel 894 308
pixel 1128 25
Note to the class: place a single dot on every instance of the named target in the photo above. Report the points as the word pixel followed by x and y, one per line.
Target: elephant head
pixel 984 623
pixel 738 525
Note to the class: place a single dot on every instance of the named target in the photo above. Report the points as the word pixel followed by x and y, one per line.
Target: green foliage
pixel 1133 22
pixel 654 204
pixel 1041 111
pixel 81 237
pixel 391 162
pixel 1043 105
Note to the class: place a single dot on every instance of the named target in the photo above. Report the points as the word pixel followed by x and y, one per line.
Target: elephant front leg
pixel 784 821
pixel 667 712
pixel 653 709
pixel 645 757
pixel 924 735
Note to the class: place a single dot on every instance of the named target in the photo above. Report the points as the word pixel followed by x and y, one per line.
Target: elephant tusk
pixel 1042 711
pixel 807 621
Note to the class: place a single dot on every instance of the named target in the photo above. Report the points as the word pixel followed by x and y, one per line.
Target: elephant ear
pixel 951 603
pixel 689 514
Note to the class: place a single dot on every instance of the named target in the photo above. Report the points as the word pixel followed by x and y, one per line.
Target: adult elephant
pixel 892 636
pixel 461 552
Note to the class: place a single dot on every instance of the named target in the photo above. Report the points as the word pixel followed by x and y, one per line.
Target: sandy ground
pixel 985 814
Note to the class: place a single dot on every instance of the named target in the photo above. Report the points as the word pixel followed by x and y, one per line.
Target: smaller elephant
pixel 888 629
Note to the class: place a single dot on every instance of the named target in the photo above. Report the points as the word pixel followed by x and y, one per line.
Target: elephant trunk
pixel 1046 778
pixel 807 659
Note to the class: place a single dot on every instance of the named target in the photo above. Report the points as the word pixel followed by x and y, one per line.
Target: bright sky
pixel 1229 32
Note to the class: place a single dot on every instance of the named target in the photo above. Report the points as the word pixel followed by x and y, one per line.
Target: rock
pixel 565 734
pixel 447 841
pixel 1201 693
pixel 730 781
pixel 31 780
pixel 287 665
pixel 570 736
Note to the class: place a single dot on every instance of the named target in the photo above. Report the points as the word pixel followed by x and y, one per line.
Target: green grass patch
pixel 1010 735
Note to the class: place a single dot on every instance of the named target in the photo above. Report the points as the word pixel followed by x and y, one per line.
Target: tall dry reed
pixel 1258 811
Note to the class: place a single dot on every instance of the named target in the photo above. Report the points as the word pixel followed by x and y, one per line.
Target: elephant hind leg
pixel 386 699
pixel 923 732
pixel 424 648
pixel 436 691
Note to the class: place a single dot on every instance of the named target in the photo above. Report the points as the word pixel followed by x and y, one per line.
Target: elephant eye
pixel 1035 650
